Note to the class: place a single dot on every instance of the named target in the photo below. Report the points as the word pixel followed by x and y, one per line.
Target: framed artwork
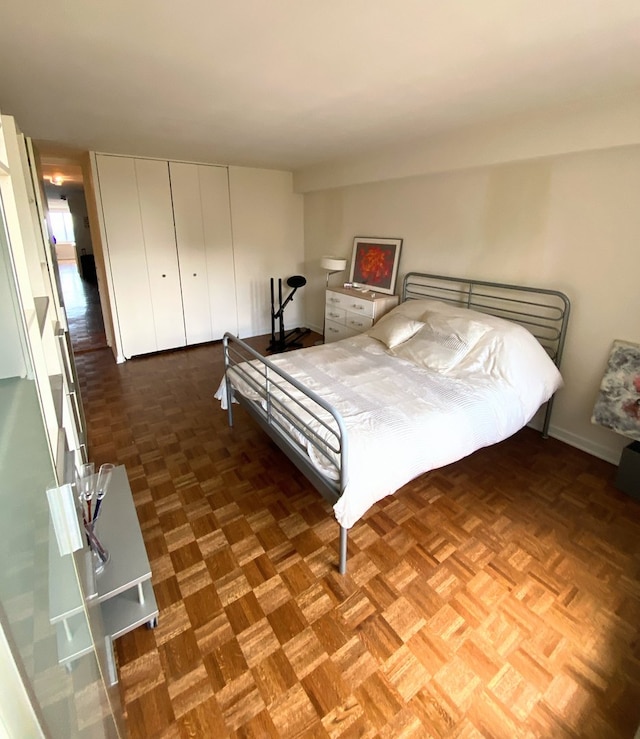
pixel 618 403
pixel 374 263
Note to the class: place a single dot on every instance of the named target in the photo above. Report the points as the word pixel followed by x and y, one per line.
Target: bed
pixel 460 364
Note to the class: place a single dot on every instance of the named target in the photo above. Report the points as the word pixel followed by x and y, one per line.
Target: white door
pixel 126 254
pixel 154 193
pixel 187 213
pixel 216 215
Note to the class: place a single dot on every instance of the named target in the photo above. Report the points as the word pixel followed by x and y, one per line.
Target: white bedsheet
pixel 402 419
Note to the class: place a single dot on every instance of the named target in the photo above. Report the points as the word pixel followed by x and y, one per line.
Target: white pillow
pixel 513 354
pixel 394 329
pixel 507 350
pixel 465 328
pixel 443 342
pixel 415 309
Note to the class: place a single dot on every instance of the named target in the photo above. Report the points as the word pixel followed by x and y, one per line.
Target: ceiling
pixel 291 83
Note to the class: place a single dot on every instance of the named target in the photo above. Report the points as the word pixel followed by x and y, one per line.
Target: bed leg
pixel 547 419
pixel 229 403
pixel 230 415
pixel 225 352
pixel 343 550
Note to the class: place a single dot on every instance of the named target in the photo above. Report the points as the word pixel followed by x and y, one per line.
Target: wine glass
pixel 102 484
pixel 84 487
pixel 100 552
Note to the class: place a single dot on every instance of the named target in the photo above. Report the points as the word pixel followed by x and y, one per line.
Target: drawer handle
pixel 358 307
pixel 334 300
pixel 335 330
pixel 334 315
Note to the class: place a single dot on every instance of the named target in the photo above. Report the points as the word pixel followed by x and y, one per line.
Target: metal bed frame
pixel 280 412
pixel 545 313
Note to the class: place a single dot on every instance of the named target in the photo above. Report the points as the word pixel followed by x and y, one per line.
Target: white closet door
pixel 216 215
pixel 127 257
pixel 154 193
pixel 187 212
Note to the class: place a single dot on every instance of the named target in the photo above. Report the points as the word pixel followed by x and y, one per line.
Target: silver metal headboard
pixel 545 313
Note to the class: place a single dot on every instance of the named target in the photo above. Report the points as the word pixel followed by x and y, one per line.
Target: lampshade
pixel 333 264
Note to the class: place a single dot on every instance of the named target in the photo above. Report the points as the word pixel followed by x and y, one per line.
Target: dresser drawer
pixel 335 314
pixel 351 303
pixel 335 331
pixel 348 312
pixel 358 323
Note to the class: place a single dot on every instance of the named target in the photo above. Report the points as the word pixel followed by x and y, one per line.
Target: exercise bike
pixel 285 340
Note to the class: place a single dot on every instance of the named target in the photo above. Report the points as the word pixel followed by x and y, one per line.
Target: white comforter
pixel 404 420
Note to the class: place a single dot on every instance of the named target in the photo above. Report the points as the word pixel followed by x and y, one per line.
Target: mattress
pixel 402 417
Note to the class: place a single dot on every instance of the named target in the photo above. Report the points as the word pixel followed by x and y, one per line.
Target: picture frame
pixel 618 403
pixel 374 263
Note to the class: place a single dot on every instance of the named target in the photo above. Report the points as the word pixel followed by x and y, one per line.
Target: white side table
pixel 124 588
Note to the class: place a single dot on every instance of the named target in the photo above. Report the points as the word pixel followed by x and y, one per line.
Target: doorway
pixel 68 221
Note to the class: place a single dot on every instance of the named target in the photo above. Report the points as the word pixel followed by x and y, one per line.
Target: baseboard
pixel 585 445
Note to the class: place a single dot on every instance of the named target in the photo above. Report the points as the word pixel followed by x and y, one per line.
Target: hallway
pixel 82 306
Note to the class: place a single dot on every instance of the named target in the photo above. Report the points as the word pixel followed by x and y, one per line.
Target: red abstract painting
pixel 375 263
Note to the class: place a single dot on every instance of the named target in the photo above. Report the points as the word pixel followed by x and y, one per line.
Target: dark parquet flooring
pixel 82 308
pixel 497 597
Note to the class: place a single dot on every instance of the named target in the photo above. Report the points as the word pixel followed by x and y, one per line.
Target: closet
pixel 168 251
pixel 203 235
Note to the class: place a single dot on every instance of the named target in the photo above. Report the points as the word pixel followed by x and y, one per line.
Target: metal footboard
pixel 296 419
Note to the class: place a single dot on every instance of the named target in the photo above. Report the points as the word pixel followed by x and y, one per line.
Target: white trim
pixel 114 320
pixel 17 717
pixel 585 445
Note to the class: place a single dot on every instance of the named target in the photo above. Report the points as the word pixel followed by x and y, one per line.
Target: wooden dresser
pixel 348 312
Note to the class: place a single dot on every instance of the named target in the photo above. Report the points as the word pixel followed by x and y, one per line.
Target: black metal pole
pixel 273 319
pixel 281 312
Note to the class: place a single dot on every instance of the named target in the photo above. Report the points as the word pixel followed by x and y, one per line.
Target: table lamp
pixel 333 265
pixel 618 408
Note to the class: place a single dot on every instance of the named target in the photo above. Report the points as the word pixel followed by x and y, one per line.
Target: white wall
pixel 565 221
pixel 78 208
pixel 267 226
pixel 584 125
pixel 66 251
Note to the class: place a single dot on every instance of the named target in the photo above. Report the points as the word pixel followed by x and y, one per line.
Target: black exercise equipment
pixel 285 340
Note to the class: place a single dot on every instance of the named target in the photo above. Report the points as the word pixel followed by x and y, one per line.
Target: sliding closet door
pixel 216 214
pixel 169 244
pixel 205 250
pixel 187 213
pixel 127 256
pixel 154 194
pixel 138 221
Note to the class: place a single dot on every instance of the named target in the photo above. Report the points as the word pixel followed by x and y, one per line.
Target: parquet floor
pixel 497 597
pixel 82 307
